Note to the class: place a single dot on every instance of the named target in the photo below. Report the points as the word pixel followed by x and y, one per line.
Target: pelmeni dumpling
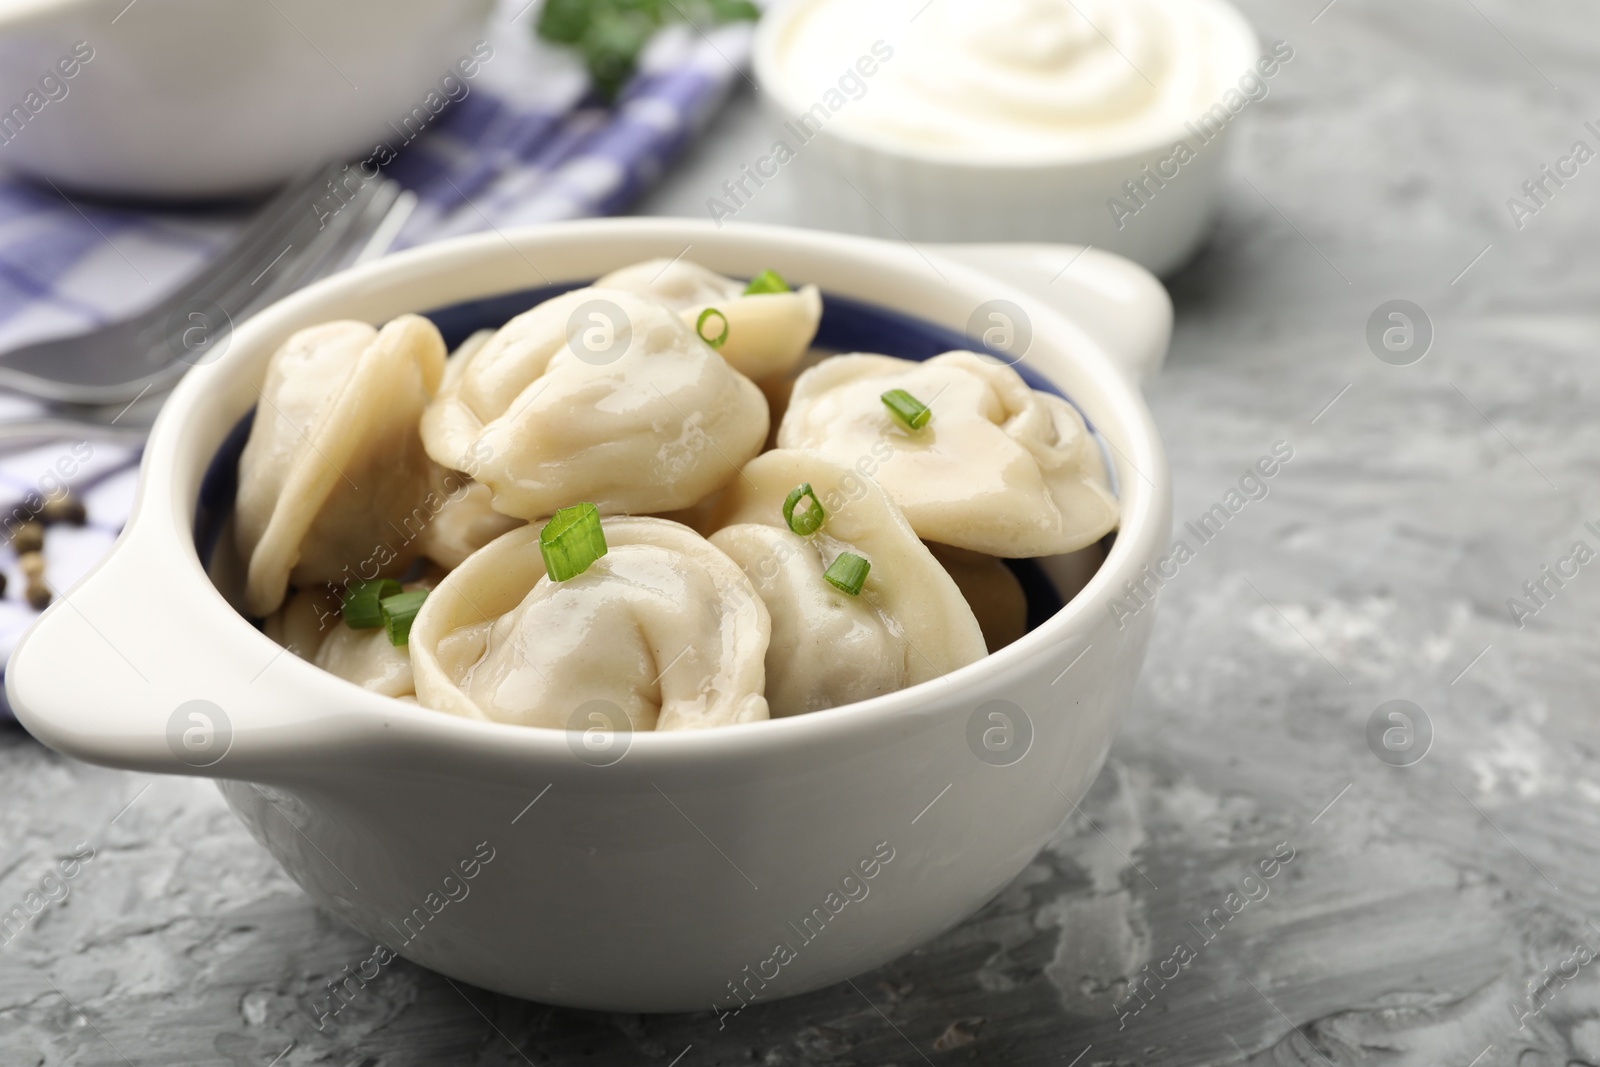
pixel 647 419
pixel 457 517
pixel 464 522
pixel 767 332
pixel 908 624
pixel 663 629
pixel 999 468
pixel 334 457
pixel 991 591
pixel 462 357
pixel 310 626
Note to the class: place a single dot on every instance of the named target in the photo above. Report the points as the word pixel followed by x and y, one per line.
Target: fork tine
pixel 232 276
pixel 287 200
pixel 371 226
pixel 325 251
pixel 372 232
pixel 310 247
pixel 293 226
pixel 387 230
pixel 323 255
pixel 268 229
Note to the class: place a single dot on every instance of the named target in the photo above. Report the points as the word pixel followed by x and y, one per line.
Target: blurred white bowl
pixel 187 98
pixel 856 181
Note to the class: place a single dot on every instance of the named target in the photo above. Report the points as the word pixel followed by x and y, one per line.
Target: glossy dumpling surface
pixel 999 468
pixel 768 333
pixel 649 420
pixel 908 624
pixel 334 460
pixel 664 628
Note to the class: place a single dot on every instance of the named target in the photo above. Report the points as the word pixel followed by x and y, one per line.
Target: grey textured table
pixel 1441 913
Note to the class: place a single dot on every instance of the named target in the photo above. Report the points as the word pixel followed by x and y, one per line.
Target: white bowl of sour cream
pixel 1098 122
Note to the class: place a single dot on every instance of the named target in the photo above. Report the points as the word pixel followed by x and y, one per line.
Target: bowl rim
pixel 350 715
pixel 771 81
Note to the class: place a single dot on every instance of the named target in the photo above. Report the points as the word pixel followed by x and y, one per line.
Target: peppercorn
pixel 28 538
pixel 64 508
pixel 32 564
pixel 38 596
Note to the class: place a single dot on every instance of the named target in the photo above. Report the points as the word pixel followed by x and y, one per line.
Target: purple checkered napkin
pixel 527 143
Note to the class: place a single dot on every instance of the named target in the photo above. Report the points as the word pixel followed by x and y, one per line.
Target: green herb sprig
pixel 610 34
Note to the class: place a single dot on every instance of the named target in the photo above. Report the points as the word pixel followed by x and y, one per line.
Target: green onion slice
pixel 399 611
pixel 700 324
pixel 809 521
pixel 360 606
pixel 847 572
pixel 910 412
pixel 572 540
pixel 768 281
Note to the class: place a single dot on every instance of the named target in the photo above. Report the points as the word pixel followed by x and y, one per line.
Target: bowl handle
pixel 144 666
pixel 1121 305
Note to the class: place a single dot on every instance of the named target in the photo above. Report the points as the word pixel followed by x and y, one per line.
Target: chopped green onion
pixel 360 606
pixel 699 327
pixel 808 521
pixel 768 281
pixel 399 611
pixel 572 540
pixel 910 412
pixel 847 573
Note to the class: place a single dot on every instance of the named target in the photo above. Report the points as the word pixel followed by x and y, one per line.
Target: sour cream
pixel 1010 80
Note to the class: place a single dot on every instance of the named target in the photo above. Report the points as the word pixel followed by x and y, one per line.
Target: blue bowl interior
pixel 848 325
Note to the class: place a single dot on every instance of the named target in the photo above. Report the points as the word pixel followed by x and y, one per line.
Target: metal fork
pixel 304 233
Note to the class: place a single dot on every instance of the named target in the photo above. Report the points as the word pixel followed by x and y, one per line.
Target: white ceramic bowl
pixel 653 883
pixel 856 182
pixel 196 98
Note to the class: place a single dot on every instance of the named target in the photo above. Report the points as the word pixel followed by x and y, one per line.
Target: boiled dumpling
pixel 908 624
pixel 334 461
pixel 311 626
pixel 460 516
pixel 991 591
pixel 680 284
pixel 999 468
pixel 457 364
pixel 464 522
pixel 767 332
pixel 656 422
pixel 663 627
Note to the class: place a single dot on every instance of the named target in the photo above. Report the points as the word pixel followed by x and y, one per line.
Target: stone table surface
pixel 1437 913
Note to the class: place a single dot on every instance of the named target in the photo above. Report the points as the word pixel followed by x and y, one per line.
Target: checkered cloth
pixel 528 143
